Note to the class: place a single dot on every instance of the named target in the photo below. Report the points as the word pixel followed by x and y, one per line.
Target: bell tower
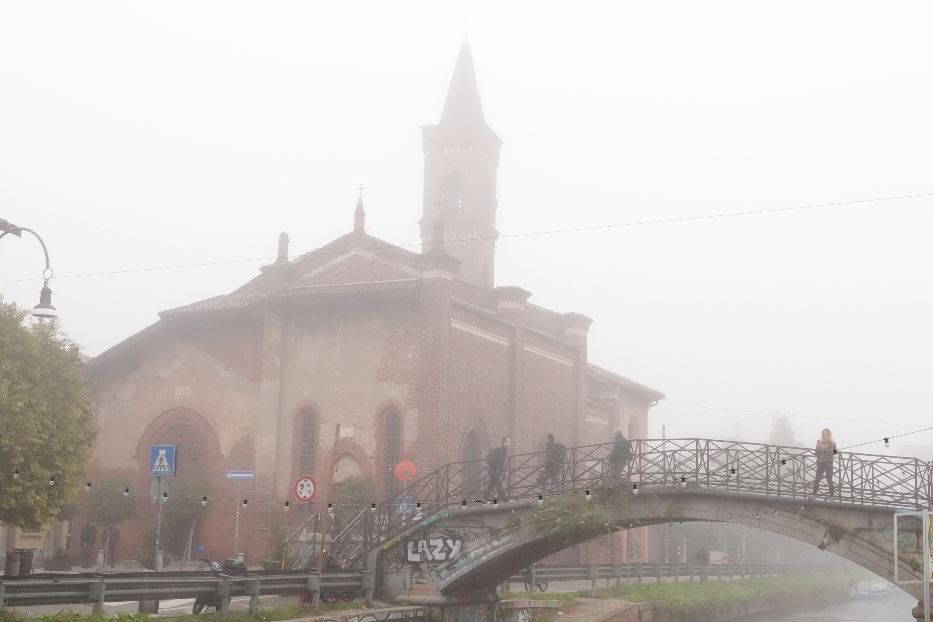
pixel 461 159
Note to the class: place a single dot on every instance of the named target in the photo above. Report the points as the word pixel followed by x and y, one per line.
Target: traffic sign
pixel 305 489
pixel 162 460
pixel 405 470
pixel 239 475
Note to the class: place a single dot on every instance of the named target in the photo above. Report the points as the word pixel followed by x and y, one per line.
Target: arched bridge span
pixel 449 552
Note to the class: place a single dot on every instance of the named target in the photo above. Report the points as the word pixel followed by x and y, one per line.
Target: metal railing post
pixel 253 587
pixel 314 588
pixel 97 592
pixel 223 596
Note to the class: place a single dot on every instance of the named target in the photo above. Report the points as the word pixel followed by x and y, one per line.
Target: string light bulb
pixel 732 470
pixel 683 481
pixel 245 503
pixel 783 461
pixel 287 506
pixel 87 487
pixel 540 500
pixel 495 503
pixel 52 481
pixel 372 507
pixel 463 504
pixel 587 494
pixel 417 506
pixel 15 473
pixel 887 441
pixel 634 489
pixel 164 496
pixel 204 500
pixel 126 491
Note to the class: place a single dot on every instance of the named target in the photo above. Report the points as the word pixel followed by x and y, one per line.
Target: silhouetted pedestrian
pixel 495 465
pixel 113 539
pixel 554 454
pixel 619 457
pixel 88 541
pixel 825 452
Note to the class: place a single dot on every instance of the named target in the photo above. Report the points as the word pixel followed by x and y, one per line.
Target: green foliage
pixel 570 520
pixel 45 417
pixel 691 601
pixel 107 506
pixel 354 492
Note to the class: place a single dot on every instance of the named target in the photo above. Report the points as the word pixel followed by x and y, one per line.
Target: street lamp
pixel 44 309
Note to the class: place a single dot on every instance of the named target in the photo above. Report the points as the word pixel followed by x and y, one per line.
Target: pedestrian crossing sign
pixel 162 460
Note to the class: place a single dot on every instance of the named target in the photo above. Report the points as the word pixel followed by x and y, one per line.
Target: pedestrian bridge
pixel 453 549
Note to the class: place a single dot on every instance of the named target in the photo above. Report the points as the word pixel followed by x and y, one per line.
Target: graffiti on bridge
pixel 433 549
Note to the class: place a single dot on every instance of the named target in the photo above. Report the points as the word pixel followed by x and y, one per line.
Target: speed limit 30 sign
pixel 305 489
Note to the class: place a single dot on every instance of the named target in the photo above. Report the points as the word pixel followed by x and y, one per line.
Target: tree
pixel 782 433
pixel 108 506
pixel 45 417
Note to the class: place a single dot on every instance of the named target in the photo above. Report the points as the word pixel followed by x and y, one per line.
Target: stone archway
pixel 199 467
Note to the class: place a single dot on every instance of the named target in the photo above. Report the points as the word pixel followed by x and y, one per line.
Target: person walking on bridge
pixel 495 466
pixel 825 452
pixel 619 458
pixel 554 454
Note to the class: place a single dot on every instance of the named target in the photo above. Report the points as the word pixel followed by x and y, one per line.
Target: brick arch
pixel 344 447
pixel 196 443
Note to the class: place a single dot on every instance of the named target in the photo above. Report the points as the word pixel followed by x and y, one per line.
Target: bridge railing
pixel 745 468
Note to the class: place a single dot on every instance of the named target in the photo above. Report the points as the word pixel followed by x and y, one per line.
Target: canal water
pixel 893 607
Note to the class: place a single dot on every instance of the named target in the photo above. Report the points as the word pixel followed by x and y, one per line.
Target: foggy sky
pixel 142 135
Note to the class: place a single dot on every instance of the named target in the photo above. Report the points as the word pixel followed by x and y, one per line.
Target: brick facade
pixel 366 336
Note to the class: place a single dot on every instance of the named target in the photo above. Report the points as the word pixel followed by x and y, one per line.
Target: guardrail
pixel 539 577
pixel 97 589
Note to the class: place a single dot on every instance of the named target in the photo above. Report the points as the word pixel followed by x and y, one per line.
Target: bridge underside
pixel 473 551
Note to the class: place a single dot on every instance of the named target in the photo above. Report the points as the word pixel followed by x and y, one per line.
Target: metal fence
pixel 745 468
pixel 752 469
pixel 98 589
pixel 538 578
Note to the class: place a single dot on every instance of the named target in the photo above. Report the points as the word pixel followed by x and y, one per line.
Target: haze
pixel 168 134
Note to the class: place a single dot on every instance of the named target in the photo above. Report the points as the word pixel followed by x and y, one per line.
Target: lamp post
pixel 44 309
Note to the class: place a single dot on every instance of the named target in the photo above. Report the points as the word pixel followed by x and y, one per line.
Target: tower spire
pixel 463 105
pixel 359 214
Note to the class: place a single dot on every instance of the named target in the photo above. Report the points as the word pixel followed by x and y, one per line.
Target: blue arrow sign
pixel 239 475
pixel 162 460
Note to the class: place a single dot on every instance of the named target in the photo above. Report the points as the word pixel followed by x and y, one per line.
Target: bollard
pixel 640 573
pixel 100 560
pixel 591 571
pixel 617 571
pixel 657 571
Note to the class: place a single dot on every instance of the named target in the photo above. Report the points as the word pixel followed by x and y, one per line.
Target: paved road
pixel 168 608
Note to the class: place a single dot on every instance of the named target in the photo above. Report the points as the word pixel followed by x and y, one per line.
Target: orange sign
pixel 405 470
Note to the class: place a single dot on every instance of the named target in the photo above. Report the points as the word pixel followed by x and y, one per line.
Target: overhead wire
pixel 526 234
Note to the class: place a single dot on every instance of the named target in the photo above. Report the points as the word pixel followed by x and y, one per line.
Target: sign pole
pixel 926 565
pixel 158 550
pixel 236 523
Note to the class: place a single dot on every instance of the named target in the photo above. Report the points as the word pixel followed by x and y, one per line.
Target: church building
pixel 348 359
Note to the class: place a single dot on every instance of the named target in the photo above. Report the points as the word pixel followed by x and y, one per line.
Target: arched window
pixel 307 442
pixel 472 454
pixel 391 452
